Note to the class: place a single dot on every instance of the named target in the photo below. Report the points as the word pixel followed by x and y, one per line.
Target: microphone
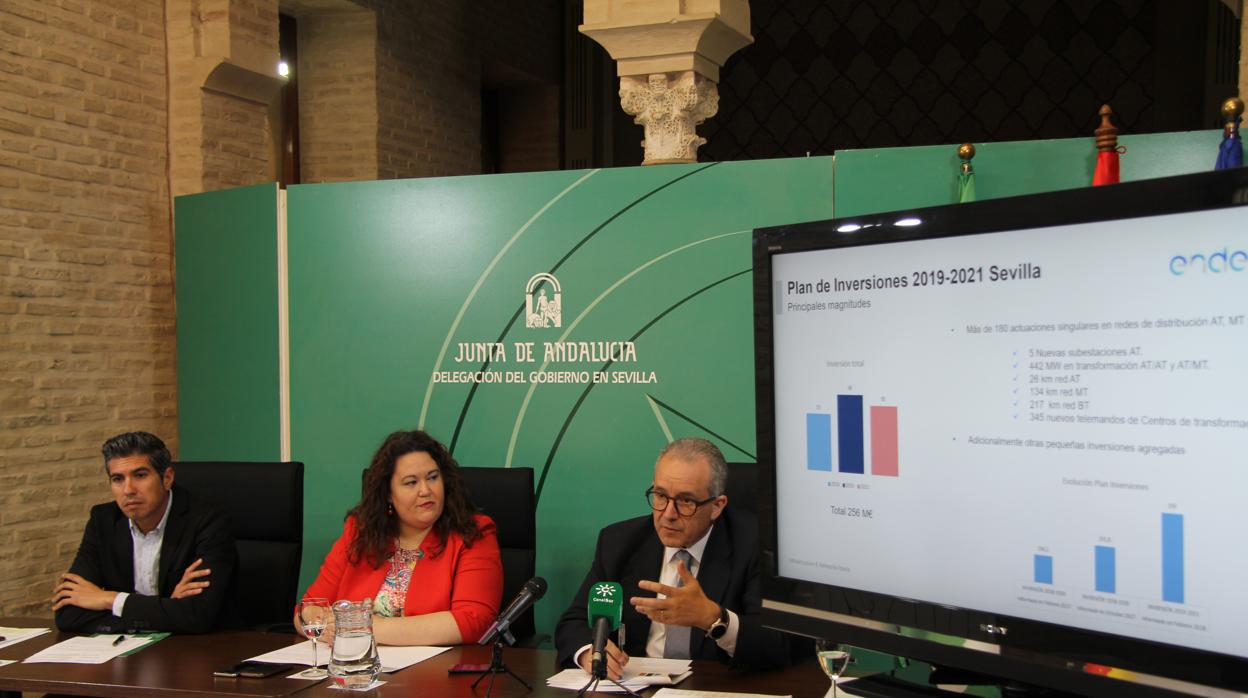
pixel 533 590
pixel 606 608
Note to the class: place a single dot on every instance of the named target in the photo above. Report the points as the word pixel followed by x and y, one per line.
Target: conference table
pixel 181 666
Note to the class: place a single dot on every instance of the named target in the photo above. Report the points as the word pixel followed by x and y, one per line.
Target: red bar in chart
pixel 883 440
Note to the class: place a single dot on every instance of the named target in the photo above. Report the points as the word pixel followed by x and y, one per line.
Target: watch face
pixel 717 631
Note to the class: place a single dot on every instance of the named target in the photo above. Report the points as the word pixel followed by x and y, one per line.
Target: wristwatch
pixel 720 627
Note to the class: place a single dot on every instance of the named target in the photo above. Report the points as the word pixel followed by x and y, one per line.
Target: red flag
pixel 1107 150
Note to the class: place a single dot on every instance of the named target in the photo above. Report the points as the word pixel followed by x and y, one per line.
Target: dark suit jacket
pixel 630 551
pixel 106 558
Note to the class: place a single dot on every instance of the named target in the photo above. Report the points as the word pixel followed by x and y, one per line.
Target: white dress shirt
pixel 146 559
pixel 670 576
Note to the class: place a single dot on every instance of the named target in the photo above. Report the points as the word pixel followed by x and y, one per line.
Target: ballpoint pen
pixel 119 640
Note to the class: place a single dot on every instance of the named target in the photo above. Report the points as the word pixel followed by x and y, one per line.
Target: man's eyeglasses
pixel 684 505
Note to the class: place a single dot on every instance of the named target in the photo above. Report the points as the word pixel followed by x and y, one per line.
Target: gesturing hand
pixel 188 586
pixel 684 605
pixel 74 590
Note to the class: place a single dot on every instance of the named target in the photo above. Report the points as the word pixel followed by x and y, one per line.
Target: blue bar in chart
pixel 1044 569
pixel 1172 557
pixel 818 441
pixel 849 433
pixel 1105 573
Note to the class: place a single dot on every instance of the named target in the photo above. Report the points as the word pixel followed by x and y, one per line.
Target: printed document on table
pixel 89 650
pixel 654 666
pixel 639 674
pixel 13 636
pixel 392 658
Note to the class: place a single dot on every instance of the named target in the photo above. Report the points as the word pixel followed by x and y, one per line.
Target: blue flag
pixel 1231 152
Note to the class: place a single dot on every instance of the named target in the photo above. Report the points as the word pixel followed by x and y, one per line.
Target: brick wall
pixel 521 53
pixel 422 76
pixel 429 89
pixel 234 142
pixel 86 299
pixel 1243 55
pixel 528 129
pixel 95 95
pixel 337 75
pixel 524 39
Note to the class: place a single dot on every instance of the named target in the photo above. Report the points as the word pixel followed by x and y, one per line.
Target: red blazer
pixel 467 581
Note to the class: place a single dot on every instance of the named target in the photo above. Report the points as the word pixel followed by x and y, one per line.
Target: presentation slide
pixel 1050 424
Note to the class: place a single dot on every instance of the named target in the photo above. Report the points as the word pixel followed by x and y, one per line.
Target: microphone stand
pixel 592 685
pixel 600 673
pixel 497 666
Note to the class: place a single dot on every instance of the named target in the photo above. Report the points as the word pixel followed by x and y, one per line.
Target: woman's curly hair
pixel 376 524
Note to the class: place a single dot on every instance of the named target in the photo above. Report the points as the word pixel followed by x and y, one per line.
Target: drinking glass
pixel 314 614
pixel 834 658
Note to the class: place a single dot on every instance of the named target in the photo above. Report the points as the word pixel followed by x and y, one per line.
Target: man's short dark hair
pixel 138 443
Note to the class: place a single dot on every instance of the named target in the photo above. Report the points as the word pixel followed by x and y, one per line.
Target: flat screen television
pixel 1011 437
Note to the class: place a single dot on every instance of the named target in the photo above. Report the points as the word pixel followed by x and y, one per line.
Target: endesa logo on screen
pixel 1217 262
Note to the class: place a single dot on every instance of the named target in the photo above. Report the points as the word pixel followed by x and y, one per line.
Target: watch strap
pixel 719 627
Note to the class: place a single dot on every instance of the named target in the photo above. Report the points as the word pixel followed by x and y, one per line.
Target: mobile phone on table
pixel 468 669
pixel 252 670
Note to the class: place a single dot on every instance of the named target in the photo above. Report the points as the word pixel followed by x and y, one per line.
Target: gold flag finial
pixel 966 152
pixel 1232 109
pixel 1107 133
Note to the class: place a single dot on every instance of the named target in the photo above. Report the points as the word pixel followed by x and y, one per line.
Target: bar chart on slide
pixel 847 443
pixel 1043 566
pixel 1104 558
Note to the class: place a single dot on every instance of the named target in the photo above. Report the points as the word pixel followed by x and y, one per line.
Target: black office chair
pixel 265 504
pixel 742 487
pixel 506 495
pixel 743 494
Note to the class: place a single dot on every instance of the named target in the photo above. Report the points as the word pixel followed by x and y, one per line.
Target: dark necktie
pixel 676 642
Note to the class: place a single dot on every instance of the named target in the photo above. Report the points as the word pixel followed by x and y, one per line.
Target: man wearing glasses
pixel 698 555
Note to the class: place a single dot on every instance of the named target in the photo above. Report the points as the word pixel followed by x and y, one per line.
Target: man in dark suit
pixel 699 555
pixel 154 559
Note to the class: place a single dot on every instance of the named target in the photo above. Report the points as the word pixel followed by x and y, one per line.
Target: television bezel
pixel 1033 652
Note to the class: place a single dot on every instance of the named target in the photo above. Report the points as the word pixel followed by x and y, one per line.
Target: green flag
pixel 966 184
pixel 966 175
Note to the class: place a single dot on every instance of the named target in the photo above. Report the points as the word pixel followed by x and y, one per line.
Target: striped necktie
pixel 676 641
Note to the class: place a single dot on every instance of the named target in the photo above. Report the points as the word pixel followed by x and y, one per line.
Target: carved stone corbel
pixel 670 106
pixel 668 54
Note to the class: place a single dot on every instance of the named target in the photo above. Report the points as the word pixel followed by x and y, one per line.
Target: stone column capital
pixel 670 106
pixel 668 54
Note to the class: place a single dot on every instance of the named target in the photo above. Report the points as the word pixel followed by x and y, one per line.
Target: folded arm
pixel 196 613
pixel 73 612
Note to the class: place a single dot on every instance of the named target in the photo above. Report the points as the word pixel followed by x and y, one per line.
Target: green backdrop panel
pixel 391 281
pixel 226 266
pixel 385 275
pixel 886 179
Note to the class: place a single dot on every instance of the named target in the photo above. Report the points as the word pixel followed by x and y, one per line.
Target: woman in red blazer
pixel 415 546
